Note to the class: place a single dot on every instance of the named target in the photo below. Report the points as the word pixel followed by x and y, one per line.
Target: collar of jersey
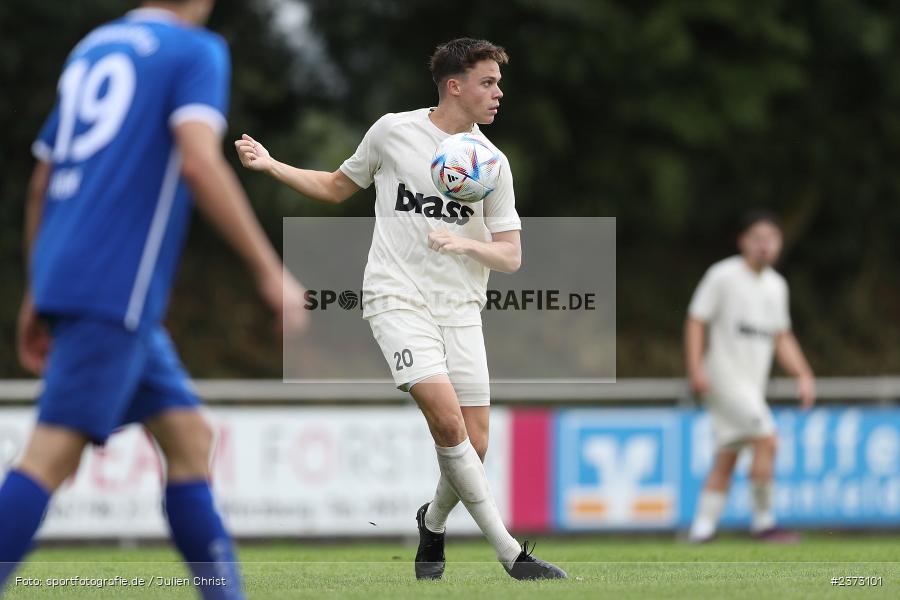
pixel 152 14
pixel 443 133
pixel 748 269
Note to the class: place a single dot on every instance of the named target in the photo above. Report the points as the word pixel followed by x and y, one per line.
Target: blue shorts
pixel 100 376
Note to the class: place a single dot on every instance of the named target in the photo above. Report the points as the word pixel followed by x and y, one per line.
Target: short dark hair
pixel 757 215
pixel 458 56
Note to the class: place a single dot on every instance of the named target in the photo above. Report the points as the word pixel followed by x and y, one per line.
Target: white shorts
pixel 738 419
pixel 416 348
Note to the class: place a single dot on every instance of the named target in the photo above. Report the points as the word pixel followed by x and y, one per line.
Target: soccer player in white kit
pixel 743 304
pixel 425 283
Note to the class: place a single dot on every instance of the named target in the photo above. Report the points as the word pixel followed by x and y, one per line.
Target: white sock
pixel 709 509
pixel 445 499
pixel 465 473
pixel 763 515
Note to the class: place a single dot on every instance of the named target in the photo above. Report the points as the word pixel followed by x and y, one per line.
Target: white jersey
pixel 402 271
pixel 745 311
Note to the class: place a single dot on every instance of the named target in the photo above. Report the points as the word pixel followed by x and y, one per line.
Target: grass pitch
pixel 599 567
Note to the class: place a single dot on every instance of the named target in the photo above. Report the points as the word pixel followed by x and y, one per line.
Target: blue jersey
pixel 117 210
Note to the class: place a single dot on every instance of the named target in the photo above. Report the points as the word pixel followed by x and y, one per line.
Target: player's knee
pixel 450 429
pixel 206 437
pixel 767 445
pixel 202 435
pixel 50 470
pixel 52 455
pixel 190 457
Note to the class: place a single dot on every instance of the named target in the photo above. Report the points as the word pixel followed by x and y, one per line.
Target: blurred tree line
pixel 675 116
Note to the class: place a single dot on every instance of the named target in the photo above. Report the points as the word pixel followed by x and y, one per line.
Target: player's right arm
pixel 219 196
pixel 701 311
pixel 333 188
pixel 694 342
pixel 34 204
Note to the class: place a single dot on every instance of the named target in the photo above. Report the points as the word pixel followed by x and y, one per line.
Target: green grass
pixel 599 567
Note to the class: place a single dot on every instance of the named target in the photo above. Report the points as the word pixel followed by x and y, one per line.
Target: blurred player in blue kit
pixel 135 133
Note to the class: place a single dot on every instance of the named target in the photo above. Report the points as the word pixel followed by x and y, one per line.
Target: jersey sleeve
pixel 705 303
pixel 42 147
pixel 784 310
pixel 500 205
pixel 366 161
pixel 201 86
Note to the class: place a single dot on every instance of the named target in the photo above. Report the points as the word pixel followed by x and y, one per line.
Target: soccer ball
pixel 465 167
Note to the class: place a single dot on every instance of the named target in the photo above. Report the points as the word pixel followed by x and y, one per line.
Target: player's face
pixel 480 91
pixel 761 244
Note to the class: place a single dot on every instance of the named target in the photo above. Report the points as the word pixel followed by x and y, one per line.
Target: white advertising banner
pixel 277 472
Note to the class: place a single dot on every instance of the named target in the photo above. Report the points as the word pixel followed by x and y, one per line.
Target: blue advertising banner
pixel 835 467
pixel 617 468
pixel 644 468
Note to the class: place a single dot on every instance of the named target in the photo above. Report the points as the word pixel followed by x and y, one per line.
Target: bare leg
pixel 713 497
pixel 52 454
pixel 719 478
pixel 459 461
pixel 185 438
pixel 477 419
pixel 477 422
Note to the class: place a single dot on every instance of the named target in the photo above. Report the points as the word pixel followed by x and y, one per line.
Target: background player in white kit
pixel 743 303
pixel 425 282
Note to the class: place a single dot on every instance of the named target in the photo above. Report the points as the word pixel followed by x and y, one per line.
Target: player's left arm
pixel 32 336
pixel 503 253
pixel 791 358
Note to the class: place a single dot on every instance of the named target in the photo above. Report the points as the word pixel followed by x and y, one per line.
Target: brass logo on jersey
pixel 432 206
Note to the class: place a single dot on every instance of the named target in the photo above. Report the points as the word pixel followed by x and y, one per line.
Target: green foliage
pixel 675 117
pixel 672 115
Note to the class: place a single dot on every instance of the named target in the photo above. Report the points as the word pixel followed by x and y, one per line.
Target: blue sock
pixel 23 502
pixel 202 540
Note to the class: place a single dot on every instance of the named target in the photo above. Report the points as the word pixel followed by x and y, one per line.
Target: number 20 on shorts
pixel 404 358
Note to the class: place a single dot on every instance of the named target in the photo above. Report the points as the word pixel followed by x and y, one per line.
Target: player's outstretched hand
pixel 285 296
pixel 33 338
pixel 445 242
pixel 253 155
